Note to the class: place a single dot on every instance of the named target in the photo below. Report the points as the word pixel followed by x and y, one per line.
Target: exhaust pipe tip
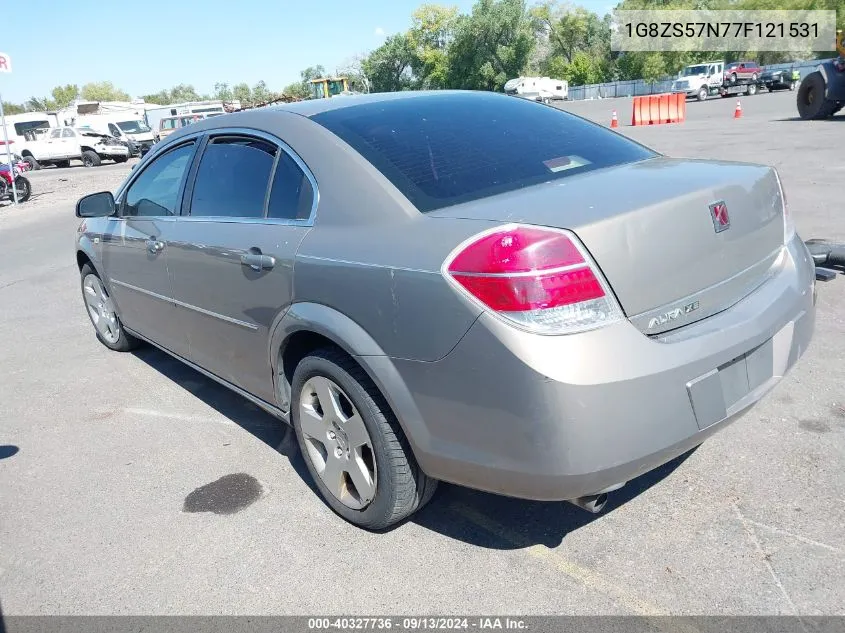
pixel 591 503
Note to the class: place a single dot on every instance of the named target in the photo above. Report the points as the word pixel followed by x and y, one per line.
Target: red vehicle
pixel 22 186
pixel 742 71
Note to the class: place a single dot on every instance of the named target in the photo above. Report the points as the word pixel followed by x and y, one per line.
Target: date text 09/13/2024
pixel 416 623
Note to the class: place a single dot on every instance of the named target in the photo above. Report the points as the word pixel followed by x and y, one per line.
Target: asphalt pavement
pixel 130 484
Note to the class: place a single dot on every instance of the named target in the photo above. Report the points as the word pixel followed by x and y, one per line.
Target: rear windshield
pixel 441 150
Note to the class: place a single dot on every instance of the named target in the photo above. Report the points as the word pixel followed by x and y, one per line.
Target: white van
pixel 128 127
pixel 20 126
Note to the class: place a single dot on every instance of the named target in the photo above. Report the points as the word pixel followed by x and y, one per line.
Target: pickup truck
pixel 58 146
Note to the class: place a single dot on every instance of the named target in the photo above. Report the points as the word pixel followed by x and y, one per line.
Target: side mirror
pixel 96 205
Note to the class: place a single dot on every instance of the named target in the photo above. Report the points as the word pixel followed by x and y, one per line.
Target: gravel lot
pixel 107 447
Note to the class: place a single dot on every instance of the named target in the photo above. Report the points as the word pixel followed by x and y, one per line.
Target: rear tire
pixel 63 163
pixel 33 164
pixel 810 100
pixel 121 159
pixel 103 314
pixel 90 159
pixel 400 486
pixel 752 90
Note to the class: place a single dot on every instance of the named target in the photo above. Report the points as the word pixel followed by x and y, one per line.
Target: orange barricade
pixel 653 110
pixel 673 108
pixel 636 114
pixel 657 109
pixel 664 108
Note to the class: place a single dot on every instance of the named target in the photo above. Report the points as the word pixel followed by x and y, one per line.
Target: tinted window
pixel 113 130
pixel 22 128
pixel 156 191
pixel 233 178
pixel 291 196
pixel 441 150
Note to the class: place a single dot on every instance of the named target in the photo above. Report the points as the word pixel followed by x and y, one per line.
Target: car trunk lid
pixel 678 240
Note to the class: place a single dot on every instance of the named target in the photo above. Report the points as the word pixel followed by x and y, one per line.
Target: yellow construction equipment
pixel 326 87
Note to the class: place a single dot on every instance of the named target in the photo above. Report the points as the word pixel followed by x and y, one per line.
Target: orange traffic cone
pixel 614 122
pixel 738 111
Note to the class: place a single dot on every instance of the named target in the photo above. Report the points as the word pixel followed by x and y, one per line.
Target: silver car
pixel 454 286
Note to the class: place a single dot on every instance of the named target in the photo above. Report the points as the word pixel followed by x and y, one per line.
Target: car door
pixel 135 248
pixel 69 147
pixel 231 256
pixel 53 145
pixel 115 131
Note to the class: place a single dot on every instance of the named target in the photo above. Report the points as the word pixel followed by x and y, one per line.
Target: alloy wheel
pixel 337 442
pixel 101 309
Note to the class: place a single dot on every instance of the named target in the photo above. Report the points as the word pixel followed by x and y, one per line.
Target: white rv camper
pixel 543 89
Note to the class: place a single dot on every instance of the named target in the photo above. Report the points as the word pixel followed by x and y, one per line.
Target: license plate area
pixel 726 389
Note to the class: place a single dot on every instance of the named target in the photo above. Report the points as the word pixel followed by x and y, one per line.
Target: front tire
pixel 103 314
pixel 33 164
pixel 811 101
pixel 702 94
pixel 23 189
pixel 91 158
pixel 352 443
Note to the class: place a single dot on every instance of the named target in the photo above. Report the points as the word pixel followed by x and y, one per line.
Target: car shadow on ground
pixel 835 117
pixel 477 518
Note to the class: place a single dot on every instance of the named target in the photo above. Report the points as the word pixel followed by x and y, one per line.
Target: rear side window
pixel 292 195
pixel 442 150
pixel 233 178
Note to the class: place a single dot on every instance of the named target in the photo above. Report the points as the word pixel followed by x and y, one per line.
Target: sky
pixel 144 47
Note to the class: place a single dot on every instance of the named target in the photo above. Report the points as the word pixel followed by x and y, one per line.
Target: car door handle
pixel 154 245
pixel 257 261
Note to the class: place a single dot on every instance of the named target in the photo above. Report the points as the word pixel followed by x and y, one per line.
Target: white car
pixel 60 145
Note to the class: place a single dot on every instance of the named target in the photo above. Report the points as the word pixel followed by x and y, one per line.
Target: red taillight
pixel 539 278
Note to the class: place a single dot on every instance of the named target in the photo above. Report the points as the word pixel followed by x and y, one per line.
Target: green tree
pixel 491 45
pixel 103 91
pixel 63 96
pixel 40 104
pixel 241 92
pixel 222 91
pixel 654 67
pixel 261 94
pixel 432 30
pixel 13 108
pixel 389 66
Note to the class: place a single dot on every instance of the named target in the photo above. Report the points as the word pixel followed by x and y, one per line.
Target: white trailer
pixel 154 114
pixel 543 89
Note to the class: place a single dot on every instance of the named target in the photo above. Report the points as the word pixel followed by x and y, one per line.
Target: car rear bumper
pixel 558 417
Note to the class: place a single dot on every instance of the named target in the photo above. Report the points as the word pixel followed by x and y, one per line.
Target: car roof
pixel 311 107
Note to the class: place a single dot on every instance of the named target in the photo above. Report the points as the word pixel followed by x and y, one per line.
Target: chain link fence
pixel 639 87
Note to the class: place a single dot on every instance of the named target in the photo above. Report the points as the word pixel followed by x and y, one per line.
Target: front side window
pixel 441 151
pixel 156 190
pixel 56 134
pixel 68 133
pixel 113 130
pixel 233 177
